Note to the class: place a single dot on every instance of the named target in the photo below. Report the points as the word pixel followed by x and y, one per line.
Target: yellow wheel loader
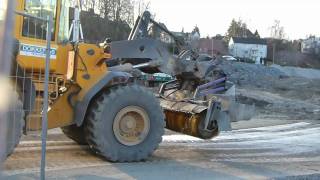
pixel 93 96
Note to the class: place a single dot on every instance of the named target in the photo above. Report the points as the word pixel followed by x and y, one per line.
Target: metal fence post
pixel 45 101
pixel 5 63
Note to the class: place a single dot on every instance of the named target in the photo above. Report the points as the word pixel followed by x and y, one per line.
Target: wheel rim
pixel 131 125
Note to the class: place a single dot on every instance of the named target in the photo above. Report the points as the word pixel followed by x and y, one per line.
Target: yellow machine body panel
pixel 31 35
pixel 37 63
pixel 60 113
pixel 78 67
pixel 88 72
pixel 89 69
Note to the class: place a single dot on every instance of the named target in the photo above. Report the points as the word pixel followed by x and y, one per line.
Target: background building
pixel 213 47
pixel 253 49
pixel 311 45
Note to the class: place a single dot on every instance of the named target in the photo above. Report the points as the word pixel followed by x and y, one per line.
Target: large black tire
pixel 15 124
pixel 75 133
pixel 101 116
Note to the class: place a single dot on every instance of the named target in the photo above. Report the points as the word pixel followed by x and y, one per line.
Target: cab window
pixel 63 33
pixel 33 28
pixel 3 7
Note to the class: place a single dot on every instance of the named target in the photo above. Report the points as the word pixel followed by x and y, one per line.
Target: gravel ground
pixel 278 143
pixel 244 74
pixel 258 149
pixel 274 92
pixel 299 72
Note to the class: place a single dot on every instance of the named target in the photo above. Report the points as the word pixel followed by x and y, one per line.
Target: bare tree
pixel 113 18
pixel 277 31
pixel 127 13
pixel 105 8
pixel 116 10
pixel 142 5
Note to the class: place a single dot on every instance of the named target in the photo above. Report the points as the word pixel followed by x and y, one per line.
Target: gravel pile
pixel 244 74
pixel 273 91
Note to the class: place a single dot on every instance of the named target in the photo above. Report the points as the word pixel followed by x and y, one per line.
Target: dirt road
pixel 278 150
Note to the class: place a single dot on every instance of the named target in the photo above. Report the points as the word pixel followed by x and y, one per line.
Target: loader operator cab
pixel 35 29
pixel 30 34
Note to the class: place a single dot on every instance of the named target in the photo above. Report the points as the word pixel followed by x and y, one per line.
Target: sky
pixel 298 17
pixel 3 6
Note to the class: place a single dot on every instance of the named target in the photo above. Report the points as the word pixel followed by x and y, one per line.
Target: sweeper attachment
pixel 199 101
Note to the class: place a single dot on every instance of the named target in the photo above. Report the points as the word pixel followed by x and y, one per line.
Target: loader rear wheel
pixel 75 133
pixel 15 124
pixel 125 124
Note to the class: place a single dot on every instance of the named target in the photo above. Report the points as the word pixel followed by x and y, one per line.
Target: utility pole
pixel 6 29
pixel 212 47
pixel 273 53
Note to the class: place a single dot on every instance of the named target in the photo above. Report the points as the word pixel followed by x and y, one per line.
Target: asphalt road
pixel 279 150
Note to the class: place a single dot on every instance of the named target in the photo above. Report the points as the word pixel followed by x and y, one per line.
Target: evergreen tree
pixel 196 29
pixel 238 29
pixel 256 34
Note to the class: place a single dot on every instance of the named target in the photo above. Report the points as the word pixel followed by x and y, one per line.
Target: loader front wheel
pixel 125 124
pixel 75 133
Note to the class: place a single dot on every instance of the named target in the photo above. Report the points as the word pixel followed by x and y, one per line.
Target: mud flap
pixel 235 111
pixel 216 113
pixel 241 112
pixel 224 123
